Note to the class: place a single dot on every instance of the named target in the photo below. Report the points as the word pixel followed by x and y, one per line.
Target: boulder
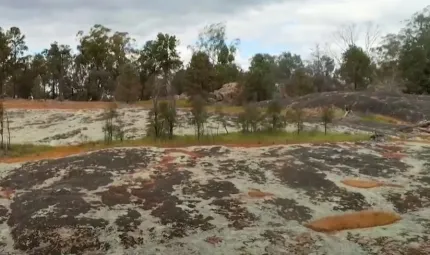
pixel 227 93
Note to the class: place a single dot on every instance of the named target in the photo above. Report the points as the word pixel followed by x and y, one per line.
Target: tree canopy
pixel 108 63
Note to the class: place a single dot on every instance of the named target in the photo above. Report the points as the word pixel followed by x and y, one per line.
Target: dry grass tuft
pixel 357 220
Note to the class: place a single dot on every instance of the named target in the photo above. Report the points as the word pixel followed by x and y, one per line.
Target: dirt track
pixel 215 200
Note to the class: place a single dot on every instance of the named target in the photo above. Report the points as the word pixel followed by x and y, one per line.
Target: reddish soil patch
pixel 53 104
pixel 391 148
pixel 363 219
pixel 393 155
pixel 7 193
pixel 59 152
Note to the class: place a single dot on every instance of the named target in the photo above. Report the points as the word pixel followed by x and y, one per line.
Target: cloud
pixel 263 26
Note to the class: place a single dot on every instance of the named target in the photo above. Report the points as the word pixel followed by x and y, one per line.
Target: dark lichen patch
pixel 290 210
pixel 215 151
pixel 318 188
pixel 213 189
pixel 159 199
pixel 367 164
pixel 89 179
pixel 4 213
pixel 37 215
pixel 115 195
pixel 410 201
pixel 241 168
pixel 129 223
pixel 238 216
pixel 181 221
pixel 28 175
pixel 62 136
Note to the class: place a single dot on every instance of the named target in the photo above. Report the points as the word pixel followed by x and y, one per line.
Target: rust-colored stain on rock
pixel 393 155
pixel 357 220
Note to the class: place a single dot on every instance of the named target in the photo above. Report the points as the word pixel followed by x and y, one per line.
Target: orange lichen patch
pixel 363 219
pixel 256 193
pixel 368 184
pixel 59 152
pixel 364 184
pixel 393 155
pixel 7 193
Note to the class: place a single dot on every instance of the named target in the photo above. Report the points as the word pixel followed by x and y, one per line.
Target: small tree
pixel 118 128
pixel 4 126
pixel 296 116
pixel 155 124
pixel 275 118
pixel 327 116
pixel 199 115
pixel 108 128
pixel 221 117
pixel 168 116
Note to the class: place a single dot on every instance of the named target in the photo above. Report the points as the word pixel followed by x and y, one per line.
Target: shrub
pixel 274 116
pixel 296 116
pixel 250 119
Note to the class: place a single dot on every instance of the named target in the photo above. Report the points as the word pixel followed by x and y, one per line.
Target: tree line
pixel 108 64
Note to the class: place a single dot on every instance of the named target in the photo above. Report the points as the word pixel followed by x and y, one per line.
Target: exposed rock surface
pixel 412 108
pixel 228 93
pixel 215 200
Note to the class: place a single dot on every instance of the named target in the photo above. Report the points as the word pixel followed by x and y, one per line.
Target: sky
pixel 263 26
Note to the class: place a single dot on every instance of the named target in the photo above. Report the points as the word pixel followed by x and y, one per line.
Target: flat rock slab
pixel 215 200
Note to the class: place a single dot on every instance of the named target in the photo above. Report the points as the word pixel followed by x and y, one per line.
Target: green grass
pixel 17 150
pixel 238 139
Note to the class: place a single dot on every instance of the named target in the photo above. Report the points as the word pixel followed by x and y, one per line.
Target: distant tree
pixel 356 67
pixel 127 87
pixel 200 76
pixel 260 83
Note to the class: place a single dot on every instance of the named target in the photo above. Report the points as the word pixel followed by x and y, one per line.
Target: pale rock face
pixel 201 200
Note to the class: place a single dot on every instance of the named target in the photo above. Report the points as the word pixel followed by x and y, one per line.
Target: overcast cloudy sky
pixel 269 26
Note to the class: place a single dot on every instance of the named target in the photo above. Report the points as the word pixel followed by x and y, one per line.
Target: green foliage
pixel 200 76
pixel 327 116
pixel 259 82
pixel 356 67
